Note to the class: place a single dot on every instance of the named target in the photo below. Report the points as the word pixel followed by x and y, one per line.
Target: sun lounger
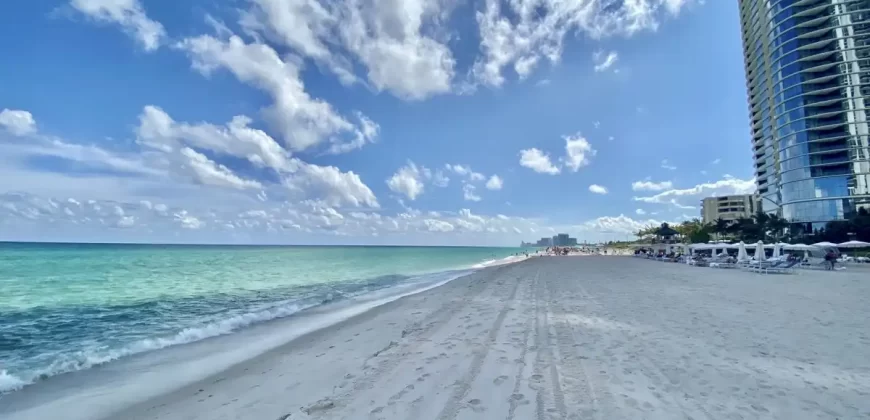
pixel 789 267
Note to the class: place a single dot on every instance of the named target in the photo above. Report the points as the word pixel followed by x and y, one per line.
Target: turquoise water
pixel 67 307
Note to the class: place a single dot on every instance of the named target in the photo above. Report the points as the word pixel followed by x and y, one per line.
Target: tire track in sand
pixel 521 365
pixel 545 359
pixel 454 403
pixel 589 392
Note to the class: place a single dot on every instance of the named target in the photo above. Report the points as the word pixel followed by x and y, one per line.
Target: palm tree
pixel 776 226
pixel 721 227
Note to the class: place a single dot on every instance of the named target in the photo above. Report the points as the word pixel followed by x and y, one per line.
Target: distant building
pixel 728 207
pixel 545 242
pixel 563 239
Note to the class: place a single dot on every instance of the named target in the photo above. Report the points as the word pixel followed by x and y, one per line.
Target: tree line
pixel 768 228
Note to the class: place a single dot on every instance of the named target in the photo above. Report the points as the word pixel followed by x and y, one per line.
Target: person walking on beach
pixel 830 259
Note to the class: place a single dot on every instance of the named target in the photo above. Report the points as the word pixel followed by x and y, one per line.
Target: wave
pixel 86 359
pixel 495 262
pixel 10 382
pixel 101 354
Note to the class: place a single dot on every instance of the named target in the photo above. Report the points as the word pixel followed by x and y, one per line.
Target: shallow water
pixel 67 307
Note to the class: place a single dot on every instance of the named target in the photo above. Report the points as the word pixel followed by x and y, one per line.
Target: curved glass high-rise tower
pixel 808 81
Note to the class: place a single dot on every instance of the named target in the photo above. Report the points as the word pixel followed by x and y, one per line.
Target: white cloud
pixel 187 221
pixel 466 171
pixel 651 186
pixel 725 186
pixel 332 186
pixel 495 183
pixel 538 161
pixel 621 224
pixel 208 172
pixel 17 122
pixel 158 130
pixel 408 181
pixel 604 61
pixel 716 161
pixel 398 45
pixel 468 193
pixel 528 31
pixel 640 212
pixel 129 14
pixel 577 152
pixel 303 121
pixel 667 165
pixel 543 82
pixel 439 179
pixel 434 225
pixel 597 189
pixel 681 206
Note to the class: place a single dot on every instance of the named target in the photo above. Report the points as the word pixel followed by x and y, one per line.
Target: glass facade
pixel 808 80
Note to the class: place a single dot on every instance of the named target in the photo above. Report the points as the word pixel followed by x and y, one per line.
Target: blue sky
pixel 366 122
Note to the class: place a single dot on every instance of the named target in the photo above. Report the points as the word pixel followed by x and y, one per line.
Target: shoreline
pixel 294 327
pixel 598 337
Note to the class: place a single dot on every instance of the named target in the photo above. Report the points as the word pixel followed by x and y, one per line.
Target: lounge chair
pixel 763 266
pixel 789 267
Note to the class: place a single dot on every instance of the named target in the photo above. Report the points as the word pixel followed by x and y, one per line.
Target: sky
pixel 400 122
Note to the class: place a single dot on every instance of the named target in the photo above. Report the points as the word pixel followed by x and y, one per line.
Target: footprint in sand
pixel 500 380
pixel 476 405
pixel 537 377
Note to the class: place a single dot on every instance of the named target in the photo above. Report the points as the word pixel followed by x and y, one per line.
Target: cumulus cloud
pixel 439 179
pixel 468 193
pixel 332 186
pixel 438 225
pixel 495 183
pixel 303 121
pixel 408 180
pixel 158 130
pixel 129 15
pixel 524 32
pixel 640 212
pixel 401 51
pixel 577 152
pixel 538 161
pixel 17 122
pixel 465 171
pixel 667 165
pixel 604 61
pixel 597 189
pixel 651 186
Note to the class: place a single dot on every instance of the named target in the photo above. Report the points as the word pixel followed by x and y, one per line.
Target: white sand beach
pixel 567 338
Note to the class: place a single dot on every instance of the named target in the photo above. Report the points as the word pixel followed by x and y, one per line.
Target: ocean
pixel 71 307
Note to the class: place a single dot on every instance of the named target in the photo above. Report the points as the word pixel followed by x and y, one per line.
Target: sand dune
pixel 568 338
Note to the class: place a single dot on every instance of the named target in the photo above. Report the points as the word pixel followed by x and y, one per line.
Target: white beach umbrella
pixel 799 247
pixel 825 245
pixel 759 251
pixel 777 251
pixel 854 244
pixel 741 251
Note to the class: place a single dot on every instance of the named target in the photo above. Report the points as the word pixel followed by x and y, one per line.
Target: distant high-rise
pixel 808 81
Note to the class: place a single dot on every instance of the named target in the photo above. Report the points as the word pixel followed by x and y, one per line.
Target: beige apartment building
pixel 728 207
